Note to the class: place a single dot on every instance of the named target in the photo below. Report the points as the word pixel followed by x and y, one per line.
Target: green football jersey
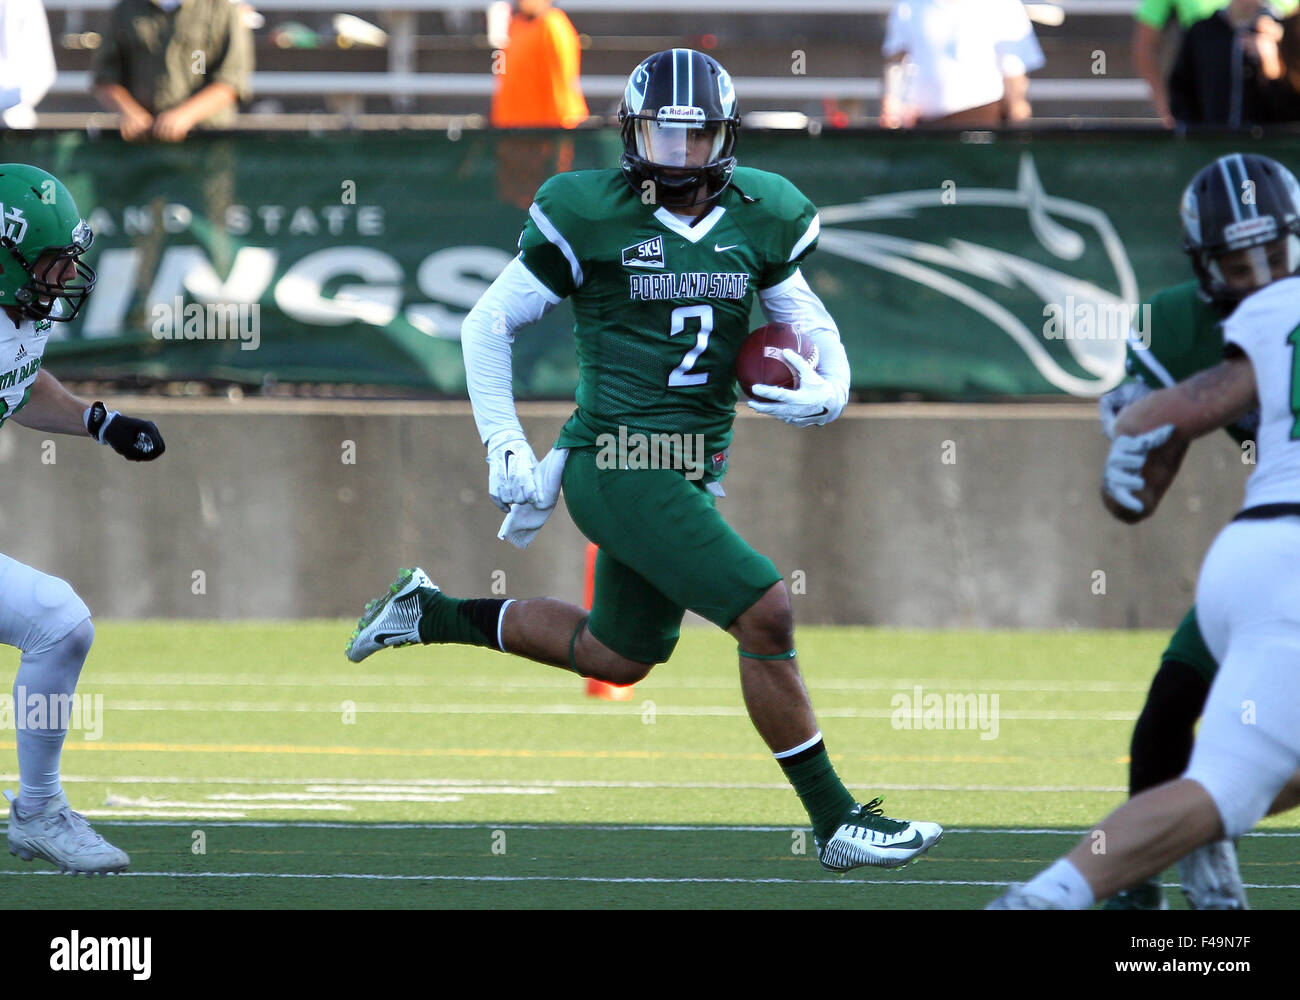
pixel 661 305
pixel 1184 335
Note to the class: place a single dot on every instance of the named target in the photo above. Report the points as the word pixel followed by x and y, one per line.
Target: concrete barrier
pixel 905 515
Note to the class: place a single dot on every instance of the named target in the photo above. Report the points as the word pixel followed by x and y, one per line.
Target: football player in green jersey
pixel 662 260
pixel 1241 226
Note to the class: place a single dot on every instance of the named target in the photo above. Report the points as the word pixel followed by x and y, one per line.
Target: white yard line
pixel 606 880
pixel 347 788
pixel 631 708
pixel 623 828
pixel 567 684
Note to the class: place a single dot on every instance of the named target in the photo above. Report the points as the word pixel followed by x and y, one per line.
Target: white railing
pixel 753 88
pixel 401 84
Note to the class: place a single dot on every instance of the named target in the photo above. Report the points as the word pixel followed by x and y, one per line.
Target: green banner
pixel 955 269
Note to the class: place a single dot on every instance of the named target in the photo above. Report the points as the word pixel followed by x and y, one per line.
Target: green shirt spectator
pixel 1150 19
pixel 168 65
pixel 1156 13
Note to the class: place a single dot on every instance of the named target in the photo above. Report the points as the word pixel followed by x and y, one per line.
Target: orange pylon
pixel 595 688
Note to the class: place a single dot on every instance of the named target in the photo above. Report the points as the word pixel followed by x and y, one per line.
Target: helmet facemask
pixel 1230 274
pixel 60 301
pixel 682 155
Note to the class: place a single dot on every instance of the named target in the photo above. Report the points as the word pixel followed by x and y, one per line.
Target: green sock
pixel 472 622
pixel 818 786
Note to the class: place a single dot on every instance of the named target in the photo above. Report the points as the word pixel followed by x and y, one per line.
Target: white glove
pixel 816 401
pixel 1124 464
pixel 525 520
pixel 1114 401
pixel 512 473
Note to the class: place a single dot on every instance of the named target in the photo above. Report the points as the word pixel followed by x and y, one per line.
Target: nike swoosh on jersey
pixel 719 249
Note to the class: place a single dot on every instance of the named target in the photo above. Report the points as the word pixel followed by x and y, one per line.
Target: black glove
pixel 135 440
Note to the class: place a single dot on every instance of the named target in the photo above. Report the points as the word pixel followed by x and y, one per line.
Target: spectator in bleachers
pixel 1150 20
pixel 958 62
pixel 1289 53
pixel 168 65
pixel 26 61
pixel 1229 70
pixel 537 72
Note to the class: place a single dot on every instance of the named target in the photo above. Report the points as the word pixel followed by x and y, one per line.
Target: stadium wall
pixel 902 515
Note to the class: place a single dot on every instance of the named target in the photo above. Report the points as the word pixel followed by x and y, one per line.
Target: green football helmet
pixel 39 216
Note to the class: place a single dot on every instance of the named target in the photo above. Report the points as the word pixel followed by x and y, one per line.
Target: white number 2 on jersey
pixel 682 374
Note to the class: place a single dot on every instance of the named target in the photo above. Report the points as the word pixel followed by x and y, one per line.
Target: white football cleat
pixel 867 837
pixel 1016 898
pixel 1210 878
pixel 393 619
pixel 62 837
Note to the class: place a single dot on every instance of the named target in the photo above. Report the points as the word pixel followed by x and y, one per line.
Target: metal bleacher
pixel 436 58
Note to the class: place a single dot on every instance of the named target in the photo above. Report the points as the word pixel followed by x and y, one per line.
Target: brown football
pixel 1158 472
pixel 760 361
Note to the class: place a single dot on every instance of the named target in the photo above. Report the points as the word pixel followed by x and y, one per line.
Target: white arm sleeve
pixel 514 300
pixel 793 302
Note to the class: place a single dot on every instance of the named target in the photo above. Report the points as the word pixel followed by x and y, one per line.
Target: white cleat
pixel 1016 898
pixel 867 837
pixel 62 837
pixel 1210 878
pixel 393 619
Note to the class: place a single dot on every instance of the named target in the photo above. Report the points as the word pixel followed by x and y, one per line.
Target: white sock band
pixel 810 742
pixel 501 620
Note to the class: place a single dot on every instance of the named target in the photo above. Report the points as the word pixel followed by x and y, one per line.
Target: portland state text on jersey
pixel 691 285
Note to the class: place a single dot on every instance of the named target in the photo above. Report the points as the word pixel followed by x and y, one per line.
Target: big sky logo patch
pixel 647 254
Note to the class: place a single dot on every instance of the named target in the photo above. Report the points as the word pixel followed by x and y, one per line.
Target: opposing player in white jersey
pixel 1248 595
pixel 43 280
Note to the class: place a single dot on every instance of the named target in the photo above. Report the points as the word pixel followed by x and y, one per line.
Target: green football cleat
pixel 1146 895
pixel 393 619
pixel 867 837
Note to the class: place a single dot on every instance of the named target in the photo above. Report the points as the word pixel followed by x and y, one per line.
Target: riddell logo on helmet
pixel 1261 229
pixel 14 224
pixel 681 114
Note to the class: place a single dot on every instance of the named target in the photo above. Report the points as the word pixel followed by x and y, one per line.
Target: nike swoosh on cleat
pixel 916 841
pixel 383 639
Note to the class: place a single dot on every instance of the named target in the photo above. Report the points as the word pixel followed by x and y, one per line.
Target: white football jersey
pixel 21 351
pixel 1266 326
